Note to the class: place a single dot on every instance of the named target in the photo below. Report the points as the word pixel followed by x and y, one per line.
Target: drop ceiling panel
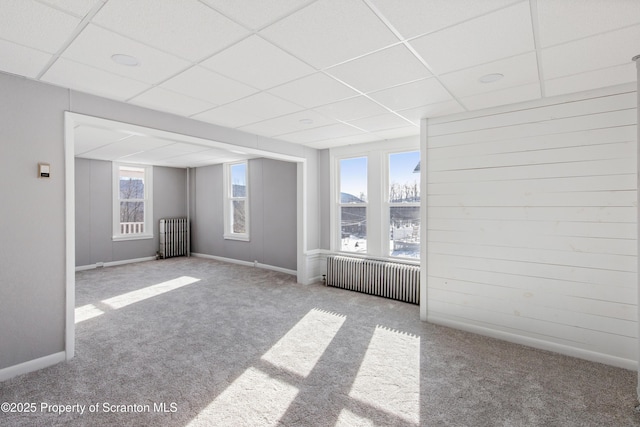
pixel 227 116
pixel 592 79
pixel 586 18
pixel 382 69
pixel 162 153
pixel 422 92
pixel 265 106
pixel 500 34
pixel 337 130
pixel 517 71
pixel 397 133
pixel 592 53
pixel 77 7
pixel 255 14
pixel 433 110
pixel 21 60
pixel 188 29
pixel 381 122
pixel 323 37
pixel 289 123
pixel 87 138
pixel 121 149
pixel 352 109
pixel 415 17
pixel 81 77
pixel 510 95
pixel 314 90
pixel 172 102
pixel 35 25
pixel 338 142
pixel 203 84
pixel 258 63
pixel 95 46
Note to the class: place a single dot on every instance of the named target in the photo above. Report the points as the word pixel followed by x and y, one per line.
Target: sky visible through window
pixel 353 177
pixel 402 166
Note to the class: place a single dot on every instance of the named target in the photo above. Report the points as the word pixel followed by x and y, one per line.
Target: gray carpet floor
pixel 197 342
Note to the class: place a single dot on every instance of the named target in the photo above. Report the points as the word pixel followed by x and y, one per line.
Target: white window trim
pixel 377 194
pixel 148 203
pixel 227 201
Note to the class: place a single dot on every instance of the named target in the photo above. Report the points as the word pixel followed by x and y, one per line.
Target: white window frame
pixel 377 154
pixel 228 200
pixel 148 203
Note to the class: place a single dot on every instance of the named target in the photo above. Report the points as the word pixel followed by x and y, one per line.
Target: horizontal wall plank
pixel 626 198
pixel 532 213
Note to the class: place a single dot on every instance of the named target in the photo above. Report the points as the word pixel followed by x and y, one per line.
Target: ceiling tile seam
pixel 504 58
pixel 68 12
pixel 535 22
pixel 622 64
pixel 76 32
pixel 320 127
pixel 26 46
pixel 395 31
pixel 601 33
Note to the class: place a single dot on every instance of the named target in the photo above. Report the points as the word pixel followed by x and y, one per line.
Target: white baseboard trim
pixel 114 263
pixel 245 263
pixel 537 343
pixel 32 365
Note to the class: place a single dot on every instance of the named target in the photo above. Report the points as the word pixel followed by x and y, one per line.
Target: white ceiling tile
pixel 337 130
pixel 265 106
pixel 83 78
pixel 396 133
pixel 592 79
pixel 289 123
pixel 256 13
pixel 209 86
pixel 227 116
pixel 339 142
pixel 35 25
pixel 500 34
pixel 382 69
pixel 257 63
pixel 517 71
pixel 314 90
pixel 422 92
pixel 22 60
pixel 433 110
pixel 88 138
pixel 566 20
pixel 381 122
pixel 77 7
pixel 510 95
pixel 188 29
pixel 592 53
pixel 95 46
pixel 123 149
pixel 328 32
pixel 172 102
pixel 352 109
pixel 415 17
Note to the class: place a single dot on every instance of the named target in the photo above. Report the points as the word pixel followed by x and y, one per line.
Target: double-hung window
pixel 236 201
pixel 352 204
pixel 403 204
pixel 132 202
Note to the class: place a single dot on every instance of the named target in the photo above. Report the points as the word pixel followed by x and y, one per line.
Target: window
pixel 132 204
pixel 353 205
pixel 404 204
pixel 236 211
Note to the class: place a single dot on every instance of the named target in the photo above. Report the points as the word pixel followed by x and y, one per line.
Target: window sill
pixel 123 237
pixel 241 237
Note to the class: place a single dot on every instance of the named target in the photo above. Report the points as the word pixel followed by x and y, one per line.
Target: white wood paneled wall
pixel 531 224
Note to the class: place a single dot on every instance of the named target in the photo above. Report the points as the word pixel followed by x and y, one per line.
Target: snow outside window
pixel 353 205
pixel 236 213
pixel 404 204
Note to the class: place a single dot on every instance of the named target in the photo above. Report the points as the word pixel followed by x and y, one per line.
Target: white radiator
pixel 173 237
pixel 382 278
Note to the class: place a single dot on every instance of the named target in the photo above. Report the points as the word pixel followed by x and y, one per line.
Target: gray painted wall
pixel 272 209
pixel 325 199
pixel 94 232
pixel 32 213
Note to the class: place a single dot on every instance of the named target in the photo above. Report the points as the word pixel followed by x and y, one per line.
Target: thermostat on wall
pixel 44 170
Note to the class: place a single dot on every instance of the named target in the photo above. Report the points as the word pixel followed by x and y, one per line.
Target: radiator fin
pixel 375 277
pixel 173 237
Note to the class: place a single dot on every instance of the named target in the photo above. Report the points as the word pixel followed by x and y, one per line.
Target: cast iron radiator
pixel 173 237
pixel 382 278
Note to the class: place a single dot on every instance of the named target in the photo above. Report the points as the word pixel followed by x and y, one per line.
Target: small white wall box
pixel 44 170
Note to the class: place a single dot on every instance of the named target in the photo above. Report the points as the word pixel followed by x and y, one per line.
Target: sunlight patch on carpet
pixel 300 349
pixel 254 398
pixel 389 376
pixel 148 292
pixel 87 312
